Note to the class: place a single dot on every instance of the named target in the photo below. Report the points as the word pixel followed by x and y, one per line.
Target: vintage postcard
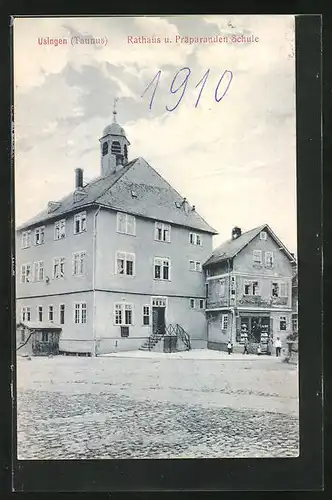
pixel 156 237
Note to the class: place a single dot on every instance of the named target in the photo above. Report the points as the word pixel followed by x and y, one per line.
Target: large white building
pixel 116 259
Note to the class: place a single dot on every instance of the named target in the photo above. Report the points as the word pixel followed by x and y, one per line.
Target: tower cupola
pixel 113 147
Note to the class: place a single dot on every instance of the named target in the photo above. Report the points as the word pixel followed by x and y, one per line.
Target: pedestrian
pixel 229 347
pixel 277 345
pixel 245 350
pixel 259 350
pixel 269 347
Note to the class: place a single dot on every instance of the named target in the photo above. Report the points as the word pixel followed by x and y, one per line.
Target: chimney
pixel 236 232
pixel 78 178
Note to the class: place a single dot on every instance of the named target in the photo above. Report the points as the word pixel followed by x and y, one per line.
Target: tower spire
pixel 114 109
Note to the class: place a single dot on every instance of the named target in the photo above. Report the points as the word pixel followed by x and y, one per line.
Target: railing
pixel 170 331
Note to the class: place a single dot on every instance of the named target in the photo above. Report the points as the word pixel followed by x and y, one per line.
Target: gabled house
pixel 249 289
pixel 116 259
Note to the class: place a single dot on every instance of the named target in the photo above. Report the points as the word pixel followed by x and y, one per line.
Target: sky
pixel 235 159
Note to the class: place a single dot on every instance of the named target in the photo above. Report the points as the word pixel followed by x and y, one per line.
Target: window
pixel 125 263
pixel 39 271
pixel 279 289
pixel 105 148
pixel 283 290
pixel 263 236
pixel 115 147
pixel 195 266
pixel 123 314
pixel 26 313
pixel 162 268
pixel 146 315
pixel 159 301
pixel 79 222
pixel 207 290
pixel 44 336
pixel 201 303
pixel 40 313
pixel 162 232
pixel 224 321
pixel 195 239
pixel 26 239
pixel 222 289
pixel 50 314
pixel 62 314
pixel 58 267
pixel 39 235
pixel 282 323
pixel 126 224
pixel 60 229
pixel 294 325
pixel 251 287
pixel 192 303
pixel 257 257
pixel 269 259
pixel 79 263
pixel 80 312
pixel 25 273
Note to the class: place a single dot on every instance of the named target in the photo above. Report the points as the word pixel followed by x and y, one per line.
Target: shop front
pixel 256 328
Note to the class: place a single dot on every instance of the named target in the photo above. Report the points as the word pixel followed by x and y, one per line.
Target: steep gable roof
pixel 137 189
pixel 230 248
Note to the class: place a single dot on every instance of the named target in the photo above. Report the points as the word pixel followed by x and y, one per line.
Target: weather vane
pixel 114 109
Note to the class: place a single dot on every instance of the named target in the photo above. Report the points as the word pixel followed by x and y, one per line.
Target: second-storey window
pixel 162 232
pixel 269 259
pixel 195 265
pixel 195 239
pixel 257 257
pixel 162 268
pixel 39 235
pixel 283 290
pixel 80 312
pixel 79 222
pixel 126 223
pixel 39 270
pixel 224 321
pixel 222 289
pixel 25 273
pixel 26 313
pixel 58 267
pixel 79 263
pixel 125 263
pixel 26 239
pixel 251 287
pixel 146 315
pixel 60 229
pixel 279 289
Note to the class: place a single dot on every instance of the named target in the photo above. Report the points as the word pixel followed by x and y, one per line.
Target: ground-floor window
pixel 123 314
pixel 40 313
pixel 282 323
pixel 80 312
pixel 146 315
pixel 44 337
pixel 62 314
pixel 50 313
pixel 254 329
pixel 294 325
pixel 224 321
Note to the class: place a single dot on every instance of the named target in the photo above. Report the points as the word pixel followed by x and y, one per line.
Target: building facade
pixel 116 259
pixel 249 289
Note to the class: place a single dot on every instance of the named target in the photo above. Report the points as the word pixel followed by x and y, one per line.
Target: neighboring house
pixel 249 286
pixel 115 259
pixel 295 300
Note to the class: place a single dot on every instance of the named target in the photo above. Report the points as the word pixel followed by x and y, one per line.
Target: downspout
pixel 229 298
pixel 94 263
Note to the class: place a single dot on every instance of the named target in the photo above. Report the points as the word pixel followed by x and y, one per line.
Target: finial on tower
pixel 114 110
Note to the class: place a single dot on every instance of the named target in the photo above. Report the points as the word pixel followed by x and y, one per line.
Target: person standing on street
pixel 277 345
pixel 245 350
pixel 229 347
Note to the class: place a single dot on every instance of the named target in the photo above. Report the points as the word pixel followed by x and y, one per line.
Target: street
pixel 194 405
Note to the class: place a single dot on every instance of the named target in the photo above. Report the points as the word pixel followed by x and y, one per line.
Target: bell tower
pixel 113 147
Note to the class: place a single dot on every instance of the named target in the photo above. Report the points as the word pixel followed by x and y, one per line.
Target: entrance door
pixel 158 319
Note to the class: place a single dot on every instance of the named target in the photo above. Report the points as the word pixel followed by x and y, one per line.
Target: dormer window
pixel 115 148
pixel 105 148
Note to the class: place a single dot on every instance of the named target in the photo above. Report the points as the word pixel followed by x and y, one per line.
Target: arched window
pixel 125 150
pixel 115 148
pixel 105 148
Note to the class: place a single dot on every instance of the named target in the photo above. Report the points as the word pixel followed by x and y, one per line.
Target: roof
pixel 230 248
pixel 136 189
pixel 39 325
pixel 114 129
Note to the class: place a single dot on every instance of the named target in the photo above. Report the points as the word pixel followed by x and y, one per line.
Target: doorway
pixel 158 319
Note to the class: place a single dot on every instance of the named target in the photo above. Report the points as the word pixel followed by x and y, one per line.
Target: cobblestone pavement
pixel 73 418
